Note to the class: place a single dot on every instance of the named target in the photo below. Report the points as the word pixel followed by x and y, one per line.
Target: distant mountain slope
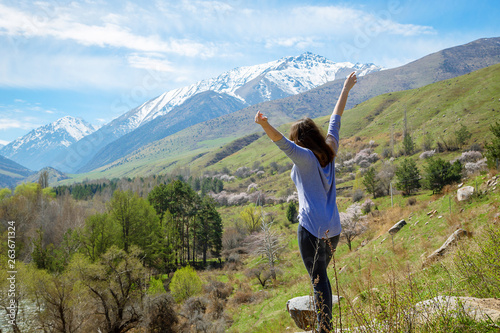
pixel 250 85
pixel 11 172
pixel 470 99
pixel 200 107
pixel 54 176
pixel 38 148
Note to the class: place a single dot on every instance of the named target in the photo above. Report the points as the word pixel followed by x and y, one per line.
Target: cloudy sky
pixel 96 59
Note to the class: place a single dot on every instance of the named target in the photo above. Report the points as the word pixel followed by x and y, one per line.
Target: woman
pixel 313 173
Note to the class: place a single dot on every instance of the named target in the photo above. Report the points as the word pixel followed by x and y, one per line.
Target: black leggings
pixel 316 254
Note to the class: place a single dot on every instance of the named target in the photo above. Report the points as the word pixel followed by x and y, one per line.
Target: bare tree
pixel 268 243
pixel 353 223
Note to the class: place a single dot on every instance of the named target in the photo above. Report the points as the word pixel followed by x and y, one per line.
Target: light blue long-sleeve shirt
pixel 318 211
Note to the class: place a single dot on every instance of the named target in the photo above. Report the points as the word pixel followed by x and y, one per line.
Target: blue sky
pixel 97 59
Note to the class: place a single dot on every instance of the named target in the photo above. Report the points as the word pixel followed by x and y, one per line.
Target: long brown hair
pixel 306 133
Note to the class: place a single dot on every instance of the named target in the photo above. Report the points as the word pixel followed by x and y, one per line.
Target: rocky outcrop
pixel 398 226
pixel 465 193
pixel 302 311
pixel 480 309
pixel 452 240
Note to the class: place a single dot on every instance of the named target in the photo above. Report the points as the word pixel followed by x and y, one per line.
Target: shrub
pixel 357 195
pixel 469 156
pixel 160 315
pixel 439 173
pixel 185 283
pixel 479 267
pixel 427 154
pixel 493 148
pixel 367 206
pixel 472 168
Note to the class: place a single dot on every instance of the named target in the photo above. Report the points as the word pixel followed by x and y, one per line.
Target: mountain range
pixel 183 107
pixel 37 148
pixel 221 108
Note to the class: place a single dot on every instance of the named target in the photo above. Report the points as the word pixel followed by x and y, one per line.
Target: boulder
pixel 480 309
pixel 464 193
pixel 453 239
pixel 303 312
pixel 398 226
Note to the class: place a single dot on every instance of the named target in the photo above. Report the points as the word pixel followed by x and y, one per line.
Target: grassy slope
pixel 374 264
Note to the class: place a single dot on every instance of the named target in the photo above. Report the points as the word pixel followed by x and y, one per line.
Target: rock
pixel 303 312
pixel 480 309
pixel 465 193
pixel 453 239
pixel 398 226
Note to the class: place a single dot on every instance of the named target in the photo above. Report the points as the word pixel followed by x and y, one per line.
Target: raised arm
pixel 348 84
pixel 271 132
pixel 332 138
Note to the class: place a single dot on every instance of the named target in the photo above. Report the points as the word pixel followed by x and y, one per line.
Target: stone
pixel 303 312
pixel 480 309
pixel 465 193
pixel 452 240
pixel 398 226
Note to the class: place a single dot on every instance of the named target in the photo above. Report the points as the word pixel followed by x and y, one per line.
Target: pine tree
pixel 291 212
pixel 408 176
pixel 371 181
pixel 493 148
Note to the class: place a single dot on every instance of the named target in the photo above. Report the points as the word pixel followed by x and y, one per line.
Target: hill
pixel 441 65
pixel 12 172
pixel 438 109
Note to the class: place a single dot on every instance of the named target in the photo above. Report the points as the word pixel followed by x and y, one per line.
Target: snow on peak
pixel 62 132
pixel 290 75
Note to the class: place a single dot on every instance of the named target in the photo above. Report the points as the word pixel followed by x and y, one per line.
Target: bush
pixel 440 173
pixel 478 265
pixel 427 154
pixel 357 195
pixel 160 316
pixel 493 148
pixel 185 283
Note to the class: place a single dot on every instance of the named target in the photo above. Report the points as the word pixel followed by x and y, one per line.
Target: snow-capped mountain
pixel 251 84
pixel 244 85
pixel 36 149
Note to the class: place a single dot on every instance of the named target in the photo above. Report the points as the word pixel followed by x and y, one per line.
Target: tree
pixel 291 212
pixel 185 283
pixel 352 223
pixel 115 284
pixel 462 135
pixel 408 145
pixel 209 229
pixel 439 173
pixel 43 179
pixel 97 236
pixel 408 176
pixel 251 217
pixel 268 243
pixel 371 182
pixel 493 148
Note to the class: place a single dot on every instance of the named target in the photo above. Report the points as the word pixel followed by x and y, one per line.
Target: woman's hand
pixel 271 132
pixel 260 118
pixel 350 81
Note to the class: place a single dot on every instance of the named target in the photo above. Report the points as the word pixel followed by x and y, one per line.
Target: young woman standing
pixel 313 173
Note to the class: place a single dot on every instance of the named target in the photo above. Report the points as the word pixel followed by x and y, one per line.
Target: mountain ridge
pixel 36 148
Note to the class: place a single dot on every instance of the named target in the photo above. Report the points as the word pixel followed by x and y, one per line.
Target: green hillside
pixel 439 109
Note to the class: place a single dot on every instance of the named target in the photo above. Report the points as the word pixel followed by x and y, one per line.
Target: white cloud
pixel 9 123
pixel 4 142
pixel 20 24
